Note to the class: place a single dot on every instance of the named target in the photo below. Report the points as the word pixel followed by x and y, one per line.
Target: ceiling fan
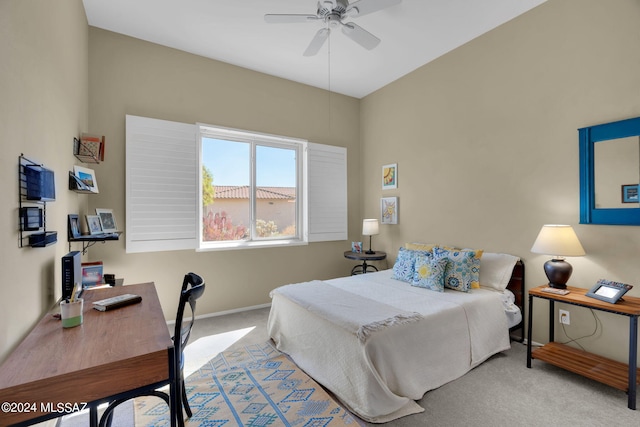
pixel 331 14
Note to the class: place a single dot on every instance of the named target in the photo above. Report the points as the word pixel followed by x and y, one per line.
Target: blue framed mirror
pixel 610 173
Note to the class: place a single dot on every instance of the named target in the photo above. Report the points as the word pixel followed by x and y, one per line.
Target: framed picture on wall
pixel 390 176
pixel 389 210
pixel 630 193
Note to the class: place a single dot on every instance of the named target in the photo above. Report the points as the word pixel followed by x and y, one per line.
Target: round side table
pixel 364 257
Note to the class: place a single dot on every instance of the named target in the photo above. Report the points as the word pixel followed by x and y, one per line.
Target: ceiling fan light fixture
pixel 332 13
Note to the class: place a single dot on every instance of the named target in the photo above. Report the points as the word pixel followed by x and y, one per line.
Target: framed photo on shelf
pixel 93 222
pixel 630 193
pixel 107 220
pixel 390 176
pixel 389 210
pixel 87 177
pixel 73 226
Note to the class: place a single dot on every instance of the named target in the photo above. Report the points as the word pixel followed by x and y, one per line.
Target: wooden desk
pixel 112 354
pixel 622 376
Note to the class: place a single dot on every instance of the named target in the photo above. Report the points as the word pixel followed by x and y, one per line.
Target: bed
pixel 379 343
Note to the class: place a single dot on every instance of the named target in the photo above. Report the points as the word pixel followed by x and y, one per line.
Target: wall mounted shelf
pixel 36 187
pixel 89 148
pixel 88 241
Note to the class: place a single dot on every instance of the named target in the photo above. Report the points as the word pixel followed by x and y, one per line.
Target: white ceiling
pixel 413 33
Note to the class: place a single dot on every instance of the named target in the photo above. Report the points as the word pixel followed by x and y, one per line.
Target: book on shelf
pixel 91 274
pixel 91 146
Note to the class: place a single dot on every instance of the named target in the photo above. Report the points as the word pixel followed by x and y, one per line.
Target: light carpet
pixel 253 386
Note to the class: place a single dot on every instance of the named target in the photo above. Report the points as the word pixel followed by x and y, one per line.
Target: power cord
pixel 575 340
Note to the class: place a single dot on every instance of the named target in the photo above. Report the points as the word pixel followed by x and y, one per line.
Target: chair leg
pixel 185 401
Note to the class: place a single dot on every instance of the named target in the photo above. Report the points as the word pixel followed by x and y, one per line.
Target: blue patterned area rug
pixel 256 386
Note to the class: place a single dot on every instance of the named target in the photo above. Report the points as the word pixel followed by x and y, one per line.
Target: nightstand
pixel 364 257
pixel 615 374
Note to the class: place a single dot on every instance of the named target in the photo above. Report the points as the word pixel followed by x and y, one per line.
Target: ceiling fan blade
pixel 360 35
pixel 288 19
pixel 317 42
pixel 364 7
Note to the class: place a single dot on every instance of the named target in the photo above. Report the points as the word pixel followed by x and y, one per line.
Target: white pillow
pixel 496 270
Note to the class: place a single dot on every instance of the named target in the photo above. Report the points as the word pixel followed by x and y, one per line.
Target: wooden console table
pixel 622 376
pixel 113 354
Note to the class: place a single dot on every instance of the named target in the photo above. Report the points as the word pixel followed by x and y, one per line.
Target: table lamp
pixel 369 228
pixel 558 241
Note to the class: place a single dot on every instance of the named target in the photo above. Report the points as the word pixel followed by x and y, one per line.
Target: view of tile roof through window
pixel 242 192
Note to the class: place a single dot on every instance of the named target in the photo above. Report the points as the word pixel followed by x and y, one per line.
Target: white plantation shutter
pixel 162 189
pixel 327 192
pixel 162 184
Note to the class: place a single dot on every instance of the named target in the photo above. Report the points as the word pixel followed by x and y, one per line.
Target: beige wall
pixel 43 105
pixel 487 146
pixel 485 140
pixel 130 76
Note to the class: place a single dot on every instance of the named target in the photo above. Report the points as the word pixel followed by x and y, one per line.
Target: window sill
pixel 250 245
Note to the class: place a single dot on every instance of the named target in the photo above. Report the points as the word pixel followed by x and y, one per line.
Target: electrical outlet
pixel 565 317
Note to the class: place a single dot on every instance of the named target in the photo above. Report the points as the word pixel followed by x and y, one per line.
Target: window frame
pixel 163 192
pixel 256 139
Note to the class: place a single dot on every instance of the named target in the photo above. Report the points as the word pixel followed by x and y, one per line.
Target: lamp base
pixel 370 252
pixel 558 272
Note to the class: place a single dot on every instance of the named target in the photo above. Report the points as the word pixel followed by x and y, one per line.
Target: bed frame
pixel 516 285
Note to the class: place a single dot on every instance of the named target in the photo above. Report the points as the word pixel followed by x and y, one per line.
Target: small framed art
pixel 87 177
pixel 93 222
pixel 389 210
pixel 91 274
pixel 630 193
pixel 73 226
pixel 390 176
pixel 356 247
pixel 107 220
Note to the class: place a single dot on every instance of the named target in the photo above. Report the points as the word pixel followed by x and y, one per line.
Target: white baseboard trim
pixel 223 313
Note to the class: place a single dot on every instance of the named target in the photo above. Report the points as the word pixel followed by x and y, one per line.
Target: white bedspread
pixel 379 377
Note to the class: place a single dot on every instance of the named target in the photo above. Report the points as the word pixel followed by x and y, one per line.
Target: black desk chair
pixel 192 289
pixel 182 333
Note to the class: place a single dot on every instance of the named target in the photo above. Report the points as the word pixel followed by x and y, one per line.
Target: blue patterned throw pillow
pixel 404 267
pixel 461 269
pixel 429 273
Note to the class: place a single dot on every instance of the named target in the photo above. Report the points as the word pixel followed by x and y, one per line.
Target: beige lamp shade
pixel 370 227
pixel 559 240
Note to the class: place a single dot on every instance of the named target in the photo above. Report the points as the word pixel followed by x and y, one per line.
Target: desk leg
pixel 633 361
pixel 175 407
pixel 552 313
pixel 529 330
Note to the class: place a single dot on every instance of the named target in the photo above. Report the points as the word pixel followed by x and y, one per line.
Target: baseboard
pixel 224 313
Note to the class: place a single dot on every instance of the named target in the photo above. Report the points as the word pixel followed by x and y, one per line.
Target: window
pixel 252 188
pixel 197 186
